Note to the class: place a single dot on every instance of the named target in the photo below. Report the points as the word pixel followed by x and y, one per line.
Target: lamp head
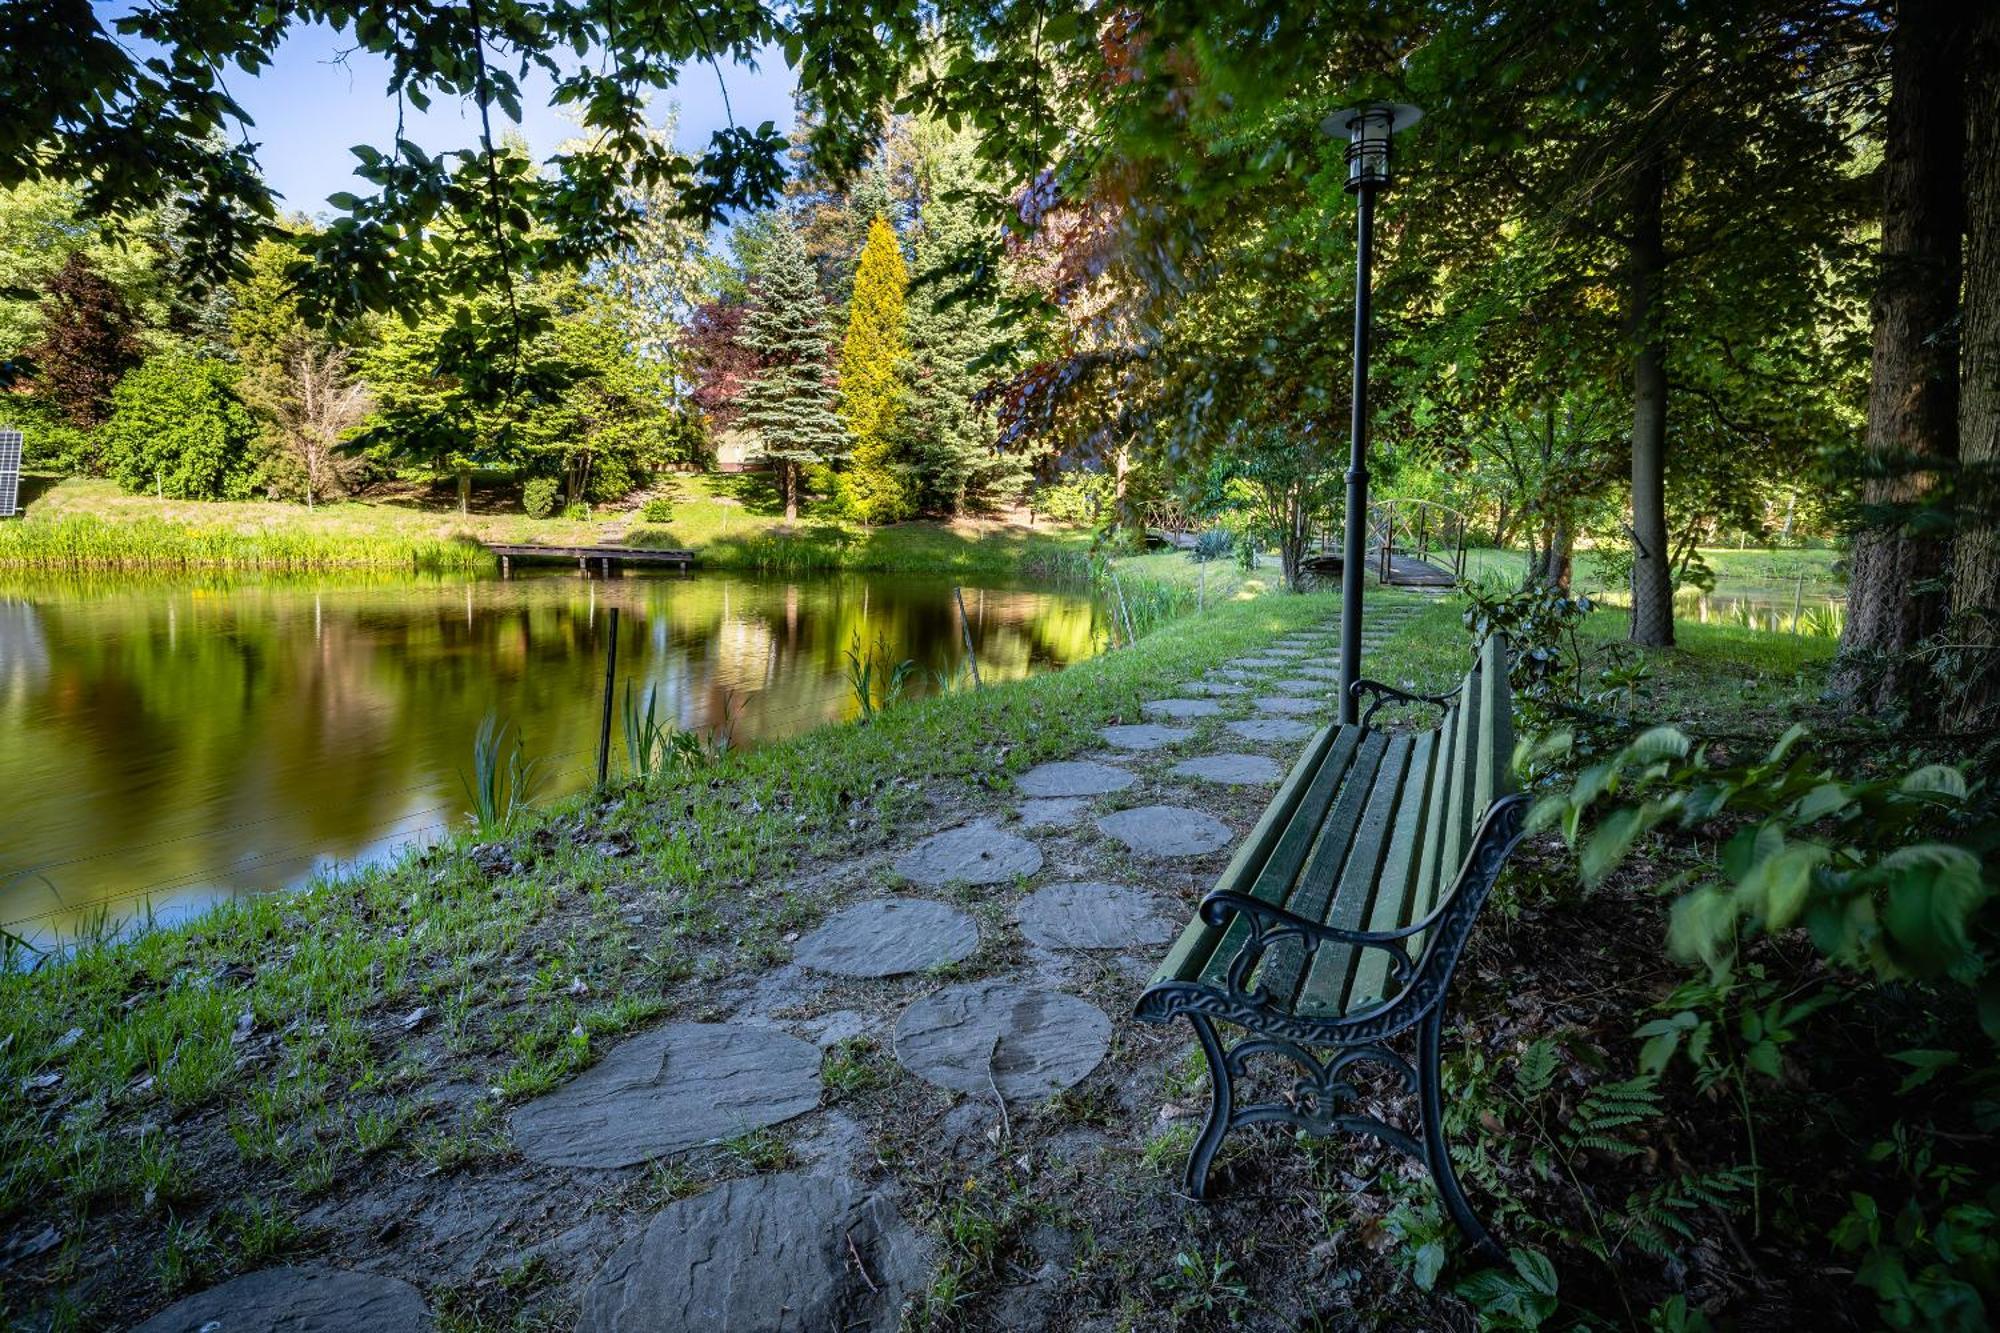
pixel 1369 128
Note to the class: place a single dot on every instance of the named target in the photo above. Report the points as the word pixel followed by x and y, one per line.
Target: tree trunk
pixel 1913 389
pixel 1975 580
pixel 464 490
pixel 788 482
pixel 1652 582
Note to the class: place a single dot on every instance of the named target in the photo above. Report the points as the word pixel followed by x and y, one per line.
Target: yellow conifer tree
pixel 872 361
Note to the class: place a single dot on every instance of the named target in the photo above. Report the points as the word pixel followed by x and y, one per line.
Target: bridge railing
pixel 1435 534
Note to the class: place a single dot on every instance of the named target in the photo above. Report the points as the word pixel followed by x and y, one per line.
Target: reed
pixel 503 781
pixel 86 542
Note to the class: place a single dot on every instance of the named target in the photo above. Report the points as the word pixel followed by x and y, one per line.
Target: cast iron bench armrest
pixel 1269 924
pixel 1383 693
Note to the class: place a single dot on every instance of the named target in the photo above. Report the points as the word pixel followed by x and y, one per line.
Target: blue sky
pixel 310 107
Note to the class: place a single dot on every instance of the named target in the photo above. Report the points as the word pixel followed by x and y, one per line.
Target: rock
pixel 1289 706
pixel 888 937
pixel 1073 778
pixel 298 1300
pixel 1214 687
pixel 1264 663
pixel 1093 916
pixel 976 853
pixel 990 1034
pixel 1166 830
pixel 1180 709
pixel 1144 736
pixel 769 1254
pixel 681 1086
pixel 1314 669
pixel 1300 685
pixel 1235 770
pixel 1055 811
pixel 1272 729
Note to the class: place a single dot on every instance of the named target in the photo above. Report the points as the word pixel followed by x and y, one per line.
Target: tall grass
pixel 503 782
pixel 863 666
pixel 86 542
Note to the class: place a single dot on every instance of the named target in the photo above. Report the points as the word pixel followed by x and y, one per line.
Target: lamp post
pixel 1369 129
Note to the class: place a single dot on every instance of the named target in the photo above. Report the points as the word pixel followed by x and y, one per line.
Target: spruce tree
pixel 790 403
pixel 871 374
pixel 951 440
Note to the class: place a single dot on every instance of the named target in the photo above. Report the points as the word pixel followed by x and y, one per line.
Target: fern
pixel 1538 1068
pixel 1656 1218
pixel 1608 1108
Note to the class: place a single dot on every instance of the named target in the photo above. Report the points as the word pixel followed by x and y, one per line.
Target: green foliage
pixel 503 782
pixel 539 495
pixel 84 541
pixel 1520 1296
pixel 178 428
pixel 657 509
pixel 863 669
pixel 1081 498
pixel 871 369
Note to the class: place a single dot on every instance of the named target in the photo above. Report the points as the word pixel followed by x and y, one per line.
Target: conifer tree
pixel 950 440
pixel 871 373
pixel 790 404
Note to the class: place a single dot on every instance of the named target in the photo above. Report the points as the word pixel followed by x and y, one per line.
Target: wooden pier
pixel 602 557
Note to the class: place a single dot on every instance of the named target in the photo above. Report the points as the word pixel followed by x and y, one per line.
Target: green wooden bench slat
pixel 1458 820
pixel 1281 870
pixel 1197 942
pixel 1390 909
pixel 1324 870
pixel 1430 846
pixel 1496 732
pixel 1325 988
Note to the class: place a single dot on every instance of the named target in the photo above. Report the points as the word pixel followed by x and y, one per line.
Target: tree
pixel 718 362
pixel 1895 589
pixel 89 340
pixel 1975 586
pixel 315 404
pixel 790 403
pixel 872 364
pixel 40 231
pixel 178 429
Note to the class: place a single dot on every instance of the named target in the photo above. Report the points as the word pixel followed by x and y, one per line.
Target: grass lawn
pixel 1735 570
pixel 729 520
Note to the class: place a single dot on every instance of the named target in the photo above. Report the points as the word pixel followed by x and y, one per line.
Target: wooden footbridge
pixel 1411 544
pixel 602 558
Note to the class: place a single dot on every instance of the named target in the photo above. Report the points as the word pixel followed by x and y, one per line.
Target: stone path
pixel 1076 777
pixel 977 853
pixel 675 1088
pixel 1166 831
pixel 298 1300
pixel 1236 770
pixel 1051 812
pixel 1093 916
pixel 889 936
pixel 1144 736
pixel 1272 729
pixel 994 1036
pixel 787 1252
pixel 1288 705
pixel 1180 709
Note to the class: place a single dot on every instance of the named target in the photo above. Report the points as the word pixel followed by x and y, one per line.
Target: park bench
pixel 1340 921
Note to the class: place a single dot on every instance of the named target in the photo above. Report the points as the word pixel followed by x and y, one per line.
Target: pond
pixel 163 746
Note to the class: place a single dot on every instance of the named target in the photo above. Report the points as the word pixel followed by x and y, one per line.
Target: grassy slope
pixel 1734 569
pixel 730 520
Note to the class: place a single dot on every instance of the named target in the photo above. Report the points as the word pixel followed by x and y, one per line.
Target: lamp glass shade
pixel 1369 130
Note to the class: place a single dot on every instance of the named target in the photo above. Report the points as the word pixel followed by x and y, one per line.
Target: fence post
pixel 1201 597
pixel 965 631
pixel 610 678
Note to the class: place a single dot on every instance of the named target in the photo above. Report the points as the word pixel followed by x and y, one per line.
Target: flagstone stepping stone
pixel 1180 708
pixel 669 1090
pixel 1277 650
pixel 1289 706
pixel 1166 830
pixel 1260 663
pixel 1215 687
pixel 974 854
pixel 1054 811
pixel 1323 672
pixel 1232 673
pixel 1144 736
pixel 1093 916
pixel 1075 777
pixel 784 1253
pixel 1297 685
pixel 888 937
pixel 1272 729
pixel 988 1035
pixel 298 1300
pixel 1236 770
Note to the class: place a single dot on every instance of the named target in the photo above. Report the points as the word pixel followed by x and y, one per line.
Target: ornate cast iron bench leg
pixel 1220 1110
pixel 1437 1154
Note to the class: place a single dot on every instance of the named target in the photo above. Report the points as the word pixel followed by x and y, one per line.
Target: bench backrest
pixel 1368 832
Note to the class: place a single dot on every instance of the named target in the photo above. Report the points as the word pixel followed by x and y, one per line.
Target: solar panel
pixel 10 472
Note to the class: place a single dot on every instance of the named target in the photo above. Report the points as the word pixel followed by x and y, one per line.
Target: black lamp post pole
pixel 1354 554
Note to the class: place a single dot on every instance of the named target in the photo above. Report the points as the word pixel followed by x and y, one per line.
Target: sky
pixel 310 107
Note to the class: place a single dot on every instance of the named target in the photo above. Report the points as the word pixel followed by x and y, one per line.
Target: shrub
pixel 177 426
pixel 576 511
pixel 1213 544
pixel 1081 497
pixel 538 497
pixel 610 479
pixel 657 509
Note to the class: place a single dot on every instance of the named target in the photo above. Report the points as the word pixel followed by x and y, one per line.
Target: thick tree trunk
pixel 788 482
pixel 1652 581
pixel 1894 583
pixel 464 490
pixel 1975 578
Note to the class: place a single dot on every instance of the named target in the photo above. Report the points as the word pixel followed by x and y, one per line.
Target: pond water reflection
pixel 163 745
